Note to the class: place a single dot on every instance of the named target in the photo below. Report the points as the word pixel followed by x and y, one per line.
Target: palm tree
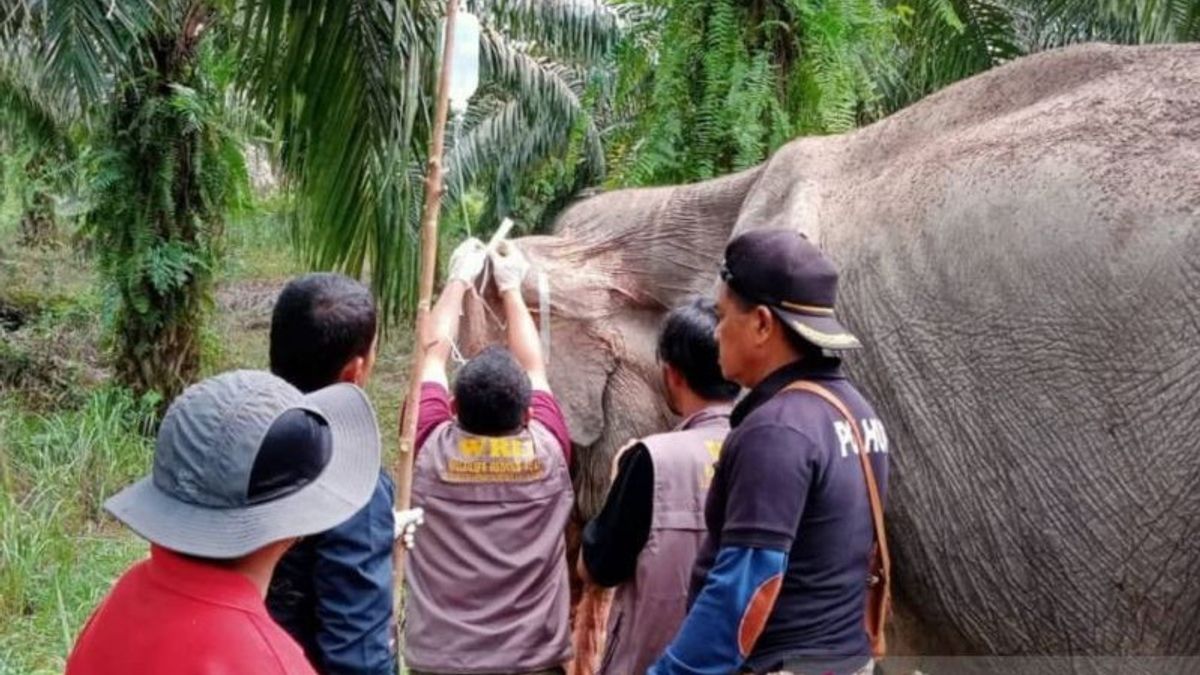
pixel 347 87
pixel 643 91
pixel 350 84
pixel 35 128
pixel 139 77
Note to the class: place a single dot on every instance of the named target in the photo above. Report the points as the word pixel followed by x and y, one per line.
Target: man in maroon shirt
pixel 245 464
pixel 487 588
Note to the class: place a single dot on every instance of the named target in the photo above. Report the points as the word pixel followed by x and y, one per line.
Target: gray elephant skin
pixel 1020 254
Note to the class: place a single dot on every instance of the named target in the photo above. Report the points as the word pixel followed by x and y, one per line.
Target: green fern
pixel 723 59
pixel 732 82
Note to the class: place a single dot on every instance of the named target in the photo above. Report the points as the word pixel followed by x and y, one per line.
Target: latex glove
pixel 467 261
pixel 407 522
pixel 509 266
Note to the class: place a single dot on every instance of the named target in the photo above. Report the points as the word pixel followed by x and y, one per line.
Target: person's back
pixel 648 608
pixel 487 587
pixel 488 584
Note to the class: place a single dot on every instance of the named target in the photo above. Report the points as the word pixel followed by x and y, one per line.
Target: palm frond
pixel 529 121
pixel 348 84
pixel 76 49
pixel 490 146
pixel 1053 23
pixel 579 31
pixel 660 66
pixel 548 88
pixel 944 41
pixel 28 108
pixel 89 44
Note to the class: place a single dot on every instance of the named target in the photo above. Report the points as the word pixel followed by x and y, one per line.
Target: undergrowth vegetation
pixel 58 553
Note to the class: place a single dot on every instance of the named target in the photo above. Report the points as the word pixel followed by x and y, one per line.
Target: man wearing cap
pixel 487 588
pixel 781 582
pixel 244 465
pixel 645 539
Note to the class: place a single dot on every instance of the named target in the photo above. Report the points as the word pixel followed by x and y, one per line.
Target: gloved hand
pixel 407 522
pixel 467 261
pixel 509 266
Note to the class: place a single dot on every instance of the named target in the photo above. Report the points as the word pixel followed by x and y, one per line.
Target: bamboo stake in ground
pixel 429 224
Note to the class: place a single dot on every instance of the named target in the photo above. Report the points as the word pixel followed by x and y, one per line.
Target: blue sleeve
pixel 729 613
pixel 353 583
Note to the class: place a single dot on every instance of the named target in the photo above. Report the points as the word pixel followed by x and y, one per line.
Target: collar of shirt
pixel 203 581
pixel 823 369
pixel 705 416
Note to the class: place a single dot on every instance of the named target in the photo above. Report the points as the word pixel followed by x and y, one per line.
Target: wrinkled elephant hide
pixel 1021 257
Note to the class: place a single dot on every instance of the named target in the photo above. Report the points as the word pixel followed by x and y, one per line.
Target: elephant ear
pixel 580 365
pixel 655 246
pixel 619 261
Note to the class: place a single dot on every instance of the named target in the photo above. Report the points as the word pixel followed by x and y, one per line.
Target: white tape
pixel 500 235
pixel 506 226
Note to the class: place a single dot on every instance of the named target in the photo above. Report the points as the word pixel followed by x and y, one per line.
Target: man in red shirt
pixel 245 464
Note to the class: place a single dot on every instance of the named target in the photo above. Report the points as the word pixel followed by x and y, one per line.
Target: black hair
pixel 803 348
pixel 689 344
pixel 320 323
pixel 492 392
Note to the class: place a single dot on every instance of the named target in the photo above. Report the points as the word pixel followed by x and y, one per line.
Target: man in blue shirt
pixel 333 591
pixel 780 584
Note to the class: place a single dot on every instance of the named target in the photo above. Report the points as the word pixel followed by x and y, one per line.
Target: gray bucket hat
pixel 196 500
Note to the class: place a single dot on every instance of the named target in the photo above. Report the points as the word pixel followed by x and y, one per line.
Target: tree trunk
pixel 38 227
pixel 159 227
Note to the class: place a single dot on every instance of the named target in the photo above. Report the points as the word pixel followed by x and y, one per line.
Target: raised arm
pixel 510 267
pixel 442 325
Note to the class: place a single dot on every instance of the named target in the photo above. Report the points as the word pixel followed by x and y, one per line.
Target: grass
pixel 69 438
pixel 58 553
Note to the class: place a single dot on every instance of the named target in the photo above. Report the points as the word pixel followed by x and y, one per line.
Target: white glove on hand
pixel 467 261
pixel 509 265
pixel 407 522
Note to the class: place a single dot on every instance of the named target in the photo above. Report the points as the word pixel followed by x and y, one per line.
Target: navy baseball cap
pixel 784 271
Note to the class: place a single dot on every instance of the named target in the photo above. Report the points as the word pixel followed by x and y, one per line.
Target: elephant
pixel 1020 254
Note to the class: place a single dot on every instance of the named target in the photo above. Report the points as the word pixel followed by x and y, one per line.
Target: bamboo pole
pixel 429 225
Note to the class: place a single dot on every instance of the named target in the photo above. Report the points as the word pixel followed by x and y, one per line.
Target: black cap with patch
pixel 784 271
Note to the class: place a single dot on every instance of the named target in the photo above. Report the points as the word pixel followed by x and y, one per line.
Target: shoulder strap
pixel 868 472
